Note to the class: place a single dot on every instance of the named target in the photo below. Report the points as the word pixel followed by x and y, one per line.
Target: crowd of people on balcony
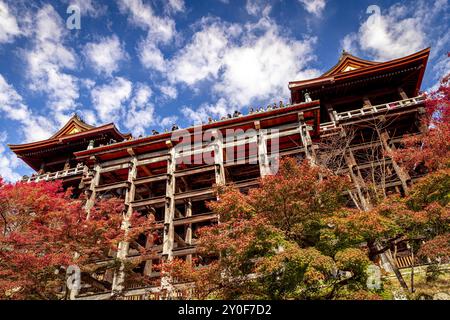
pixel 235 114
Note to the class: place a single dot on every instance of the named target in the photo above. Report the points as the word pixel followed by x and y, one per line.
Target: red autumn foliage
pixel 433 148
pixel 41 229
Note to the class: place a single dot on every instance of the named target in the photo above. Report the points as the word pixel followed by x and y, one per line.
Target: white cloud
pixel 167 121
pixel 169 91
pixel 33 127
pixel 258 7
pixel 8 161
pixel 140 113
pixel 150 55
pixel 9 28
pixel 49 59
pixel 388 36
pixel 315 7
pixel 160 29
pixel 108 99
pixel 202 57
pixel 105 55
pixel 176 5
pixel 259 69
pixel 247 64
pixel 201 114
pixel 89 7
pixel 399 31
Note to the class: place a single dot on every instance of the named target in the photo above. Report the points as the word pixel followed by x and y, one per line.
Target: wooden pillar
pixel 306 139
pixel 91 193
pixel 401 173
pixel 169 213
pixel 218 159
pixel 263 161
pixel 188 228
pixel 122 251
pixel 331 112
pixel 148 267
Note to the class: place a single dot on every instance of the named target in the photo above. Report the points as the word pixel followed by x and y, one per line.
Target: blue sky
pixel 147 64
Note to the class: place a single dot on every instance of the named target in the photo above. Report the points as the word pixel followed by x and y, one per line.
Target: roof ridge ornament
pixel 343 54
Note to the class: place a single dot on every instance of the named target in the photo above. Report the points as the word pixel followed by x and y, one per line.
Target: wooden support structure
pixel 401 173
pixel 348 98
pixel 357 180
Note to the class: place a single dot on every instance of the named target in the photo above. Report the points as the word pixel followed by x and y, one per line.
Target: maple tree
pixel 43 230
pixel 269 240
pixel 432 149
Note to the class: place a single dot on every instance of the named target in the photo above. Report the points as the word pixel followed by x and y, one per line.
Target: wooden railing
pixel 55 175
pixel 370 110
pixel 381 108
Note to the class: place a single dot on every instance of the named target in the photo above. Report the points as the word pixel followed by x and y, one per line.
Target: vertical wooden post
pixel 169 213
pixel 122 251
pixel 91 193
pixel 306 139
pixel 330 112
pixel 188 235
pixel 262 153
pixel 218 159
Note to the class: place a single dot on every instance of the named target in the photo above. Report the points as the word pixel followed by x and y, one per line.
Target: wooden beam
pixel 189 220
pixel 148 202
pixel 116 167
pixel 186 172
pixel 111 186
pixel 153 160
pixel 150 179
pixel 194 193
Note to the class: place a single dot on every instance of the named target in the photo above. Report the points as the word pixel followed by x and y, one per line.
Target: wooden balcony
pixel 391 107
pixel 50 176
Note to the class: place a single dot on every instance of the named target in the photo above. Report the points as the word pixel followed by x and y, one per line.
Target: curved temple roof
pixel 67 138
pixel 350 66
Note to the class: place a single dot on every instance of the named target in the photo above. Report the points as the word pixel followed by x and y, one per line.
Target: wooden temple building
pixel 349 119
